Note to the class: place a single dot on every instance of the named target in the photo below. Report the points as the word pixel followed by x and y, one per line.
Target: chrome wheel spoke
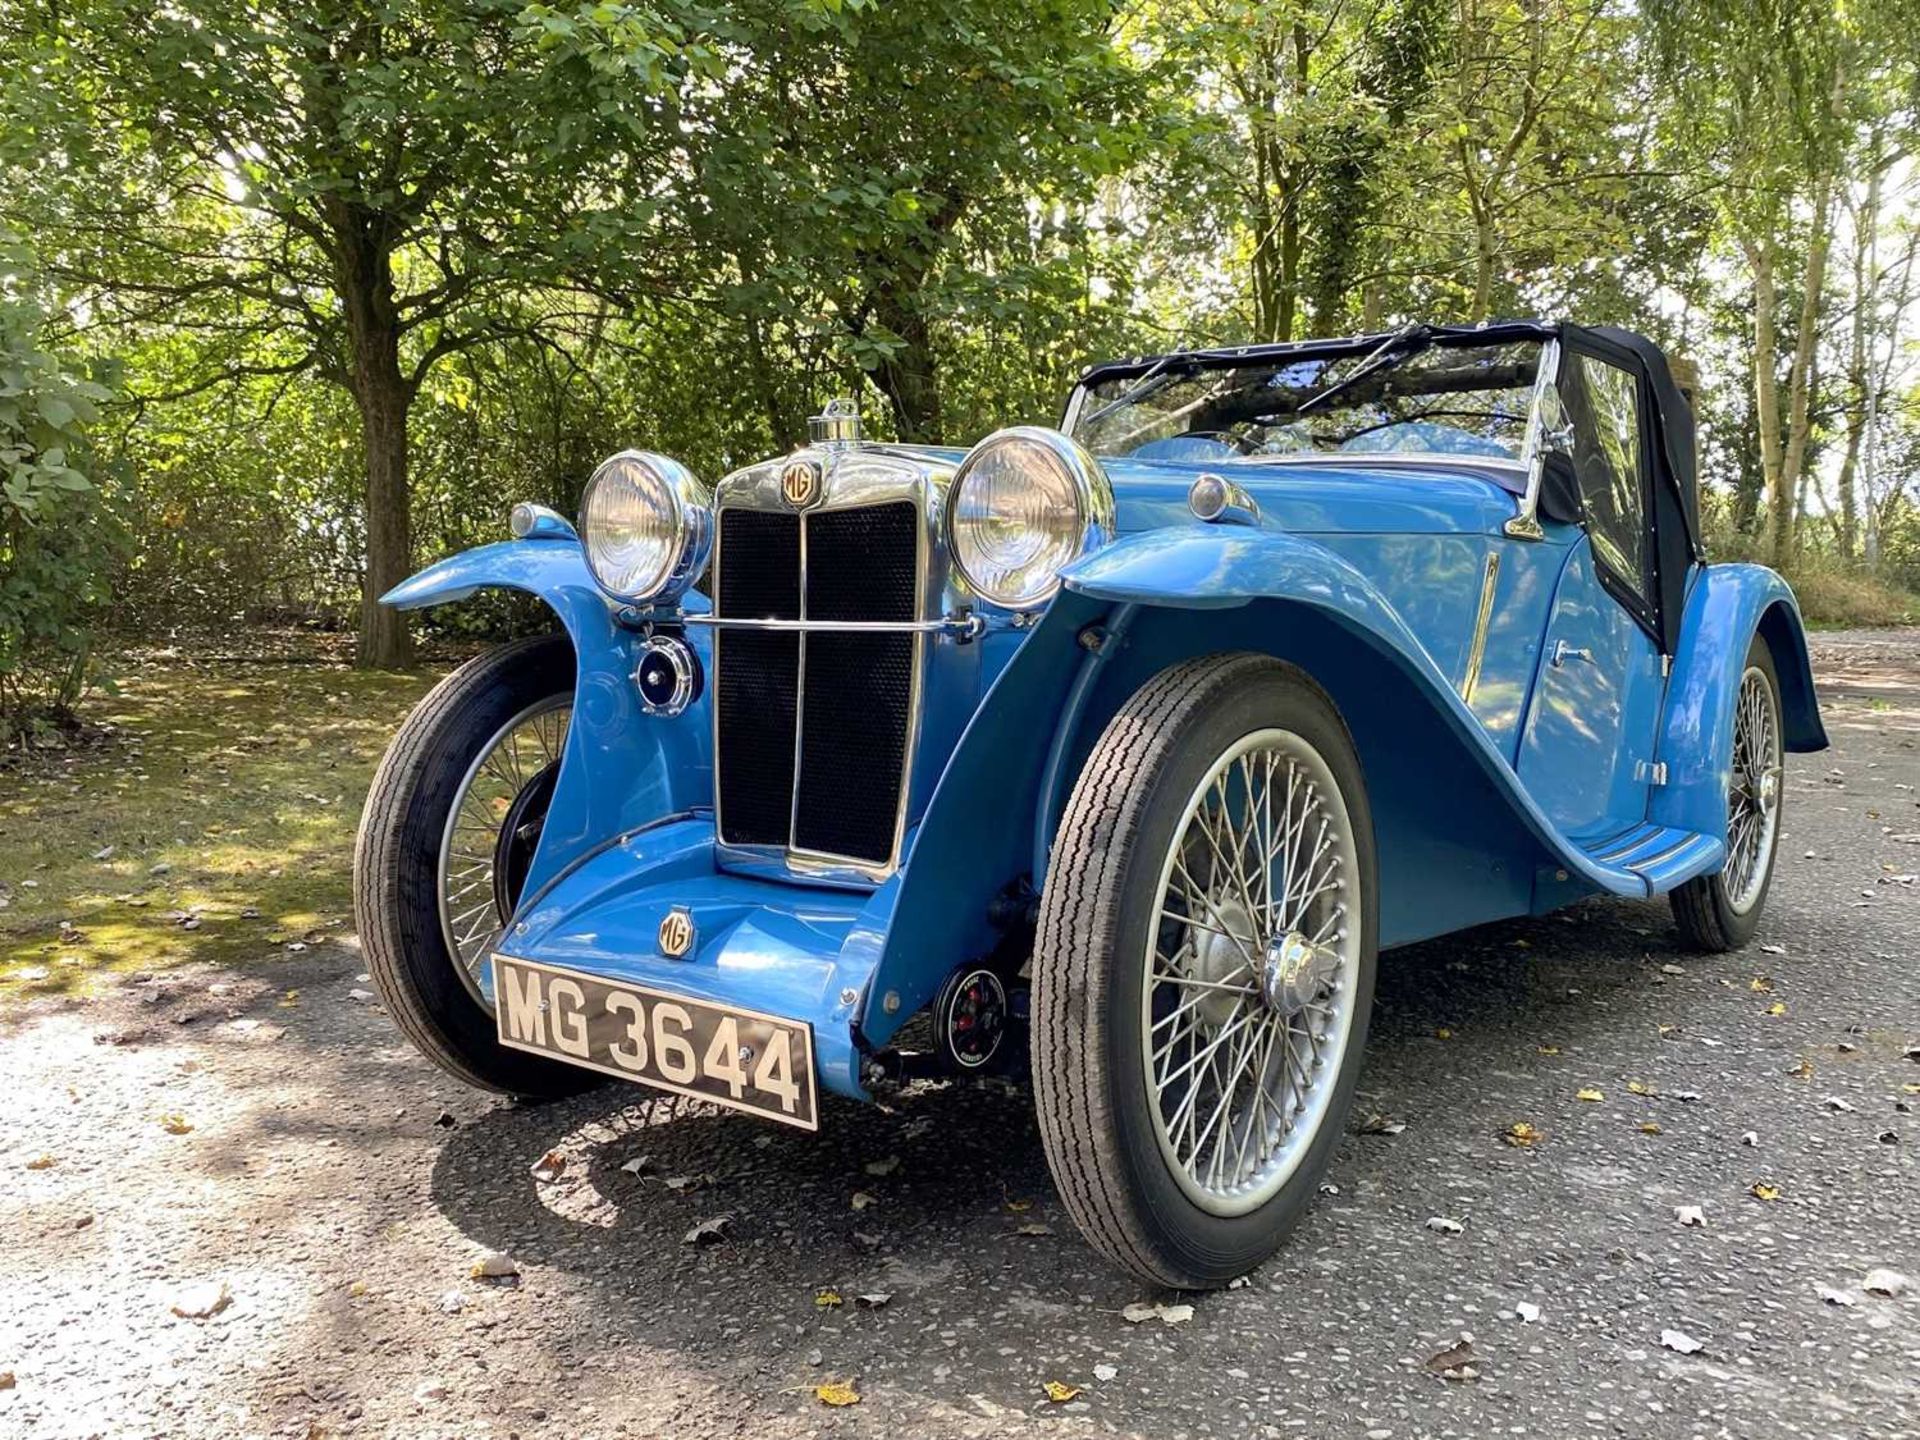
pixel 1251 970
pixel 517 755
pixel 1753 791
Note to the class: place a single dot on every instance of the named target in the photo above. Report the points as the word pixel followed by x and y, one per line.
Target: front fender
pixel 1726 607
pixel 621 768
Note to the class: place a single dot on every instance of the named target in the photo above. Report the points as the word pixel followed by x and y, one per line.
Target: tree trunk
pixel 1800 380
pixel 910 377
pixel 1766 389
pixel 364 274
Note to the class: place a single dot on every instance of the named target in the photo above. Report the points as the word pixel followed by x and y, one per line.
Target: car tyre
pixel 1720 912
pixel 1111 1099
pixel 397 866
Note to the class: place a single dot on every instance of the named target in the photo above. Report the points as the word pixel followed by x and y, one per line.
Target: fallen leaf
pixel 1527 1311
pixel 357 994
pixel 1885 1282
pixel 1836 1103
pixel 176 1124
pixel 1522 1136
pixel 883 1167
pixel 861 1200
pixel 639 1165
pixel 827 1299
pixel 1835 1297
pixel 1442 1033
pixel 42 1162
pixel 202 1300
pixel 291 999
pixel 1640 1087
pixel 1019 1207
pixel 1802 1071
pixel 1590 1094
pixel 549 1166
pixel 1763 1191
pixel 1060 1393
pixel 1773 949
pixel 1909 1088
pixel 1453 1358
pixel 1104 1373
pixel 1779 1007
pixel 1034 1227
pixel 1750 1138
pixel 678 1183
pixel 1672 970
pixel 1381 1125
pixel 873 1299
pixel 453 1302
pixel 1681 1341
pixel 1761 983
pixel 837 1393
pixel 1135 1313
pixel 1440 1224
pixel 1689 1215
pixel 7 1381
pixel 1547 1049
pixel 710 1231
pixel 1650 1127
pixel 493 1265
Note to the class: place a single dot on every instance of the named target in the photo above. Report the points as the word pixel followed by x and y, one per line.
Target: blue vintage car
pixel 1117 751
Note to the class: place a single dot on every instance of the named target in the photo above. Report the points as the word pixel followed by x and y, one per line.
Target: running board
pixel 1652 859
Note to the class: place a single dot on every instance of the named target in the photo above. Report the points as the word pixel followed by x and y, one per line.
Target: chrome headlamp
pixel 1025 503
pixel 646 523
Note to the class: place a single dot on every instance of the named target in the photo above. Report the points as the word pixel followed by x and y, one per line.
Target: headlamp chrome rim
pixel 690 537
pixel 1093 498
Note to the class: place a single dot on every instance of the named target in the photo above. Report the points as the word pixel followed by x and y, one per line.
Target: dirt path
pixel 259 1139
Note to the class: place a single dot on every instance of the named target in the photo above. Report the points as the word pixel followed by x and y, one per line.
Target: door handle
pixel 1563 652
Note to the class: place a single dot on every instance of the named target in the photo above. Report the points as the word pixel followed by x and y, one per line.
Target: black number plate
pixel 740 1058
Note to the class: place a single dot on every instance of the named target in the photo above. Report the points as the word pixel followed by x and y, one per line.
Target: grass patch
pixel 212 818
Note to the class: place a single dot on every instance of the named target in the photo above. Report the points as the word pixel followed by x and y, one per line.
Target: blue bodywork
pixel 1502 783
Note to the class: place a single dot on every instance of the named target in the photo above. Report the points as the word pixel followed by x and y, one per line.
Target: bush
pixel 1833 593
pixel 57 536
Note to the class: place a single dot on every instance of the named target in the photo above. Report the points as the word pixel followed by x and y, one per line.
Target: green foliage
pixel 58 535
pixel 372 270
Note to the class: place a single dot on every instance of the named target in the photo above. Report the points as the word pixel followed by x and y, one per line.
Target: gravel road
pixel 328 1192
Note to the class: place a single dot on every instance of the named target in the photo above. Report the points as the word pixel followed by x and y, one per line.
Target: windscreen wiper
pixel 1396 349
pixel 1158 376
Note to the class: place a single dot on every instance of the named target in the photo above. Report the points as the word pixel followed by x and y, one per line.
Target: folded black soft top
pixel 1676 486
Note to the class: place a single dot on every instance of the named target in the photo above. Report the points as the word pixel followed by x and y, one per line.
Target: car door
pixel 1587 756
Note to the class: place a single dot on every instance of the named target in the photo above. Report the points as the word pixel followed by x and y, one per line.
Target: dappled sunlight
pixel 214 820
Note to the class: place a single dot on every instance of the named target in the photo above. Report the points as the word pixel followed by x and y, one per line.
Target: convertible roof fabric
pixel 1676 496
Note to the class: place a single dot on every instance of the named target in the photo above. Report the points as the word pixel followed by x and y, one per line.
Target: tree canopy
pixel 351 275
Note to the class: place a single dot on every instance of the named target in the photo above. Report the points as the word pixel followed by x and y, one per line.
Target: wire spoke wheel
pixel 491 831
pixel 1753 795
pixel 1249 994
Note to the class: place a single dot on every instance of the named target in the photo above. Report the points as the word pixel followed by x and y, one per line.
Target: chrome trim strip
pixel 967 626
pixel 1625 843
pixel 1477 651
pixel 1640 867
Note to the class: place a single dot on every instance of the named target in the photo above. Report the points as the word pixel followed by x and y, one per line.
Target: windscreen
pixel 1421 399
